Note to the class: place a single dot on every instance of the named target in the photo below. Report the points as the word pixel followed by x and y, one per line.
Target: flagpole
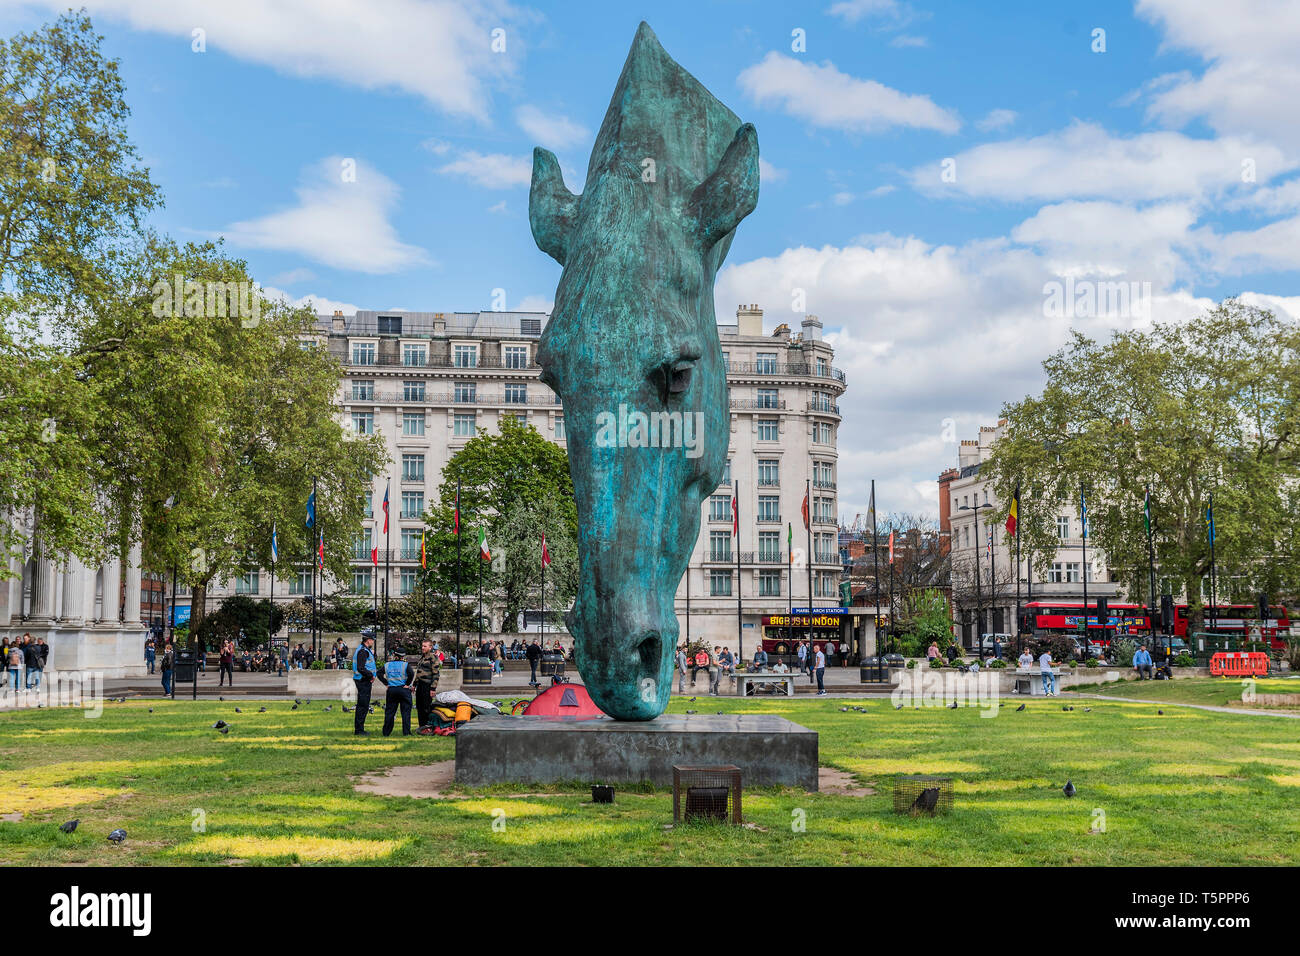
pixel 807 519
pixel 891 583
pixel 270 616
pixel 388 556
pixel 993 582
pixel 875 553
pixel 480 591
pixel 543 588
pixel 740 627
pixel 789 584
pixel 1017 506
pixel 457 614
pixel 1083 514
pixel 1151 562
pixel 1214 571
pixel 311 623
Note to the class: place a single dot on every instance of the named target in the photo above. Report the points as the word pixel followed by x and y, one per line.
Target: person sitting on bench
pixel 1142 663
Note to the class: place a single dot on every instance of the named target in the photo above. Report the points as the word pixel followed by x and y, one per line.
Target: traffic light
pixel 1026 622
pixel 1103 611
pixel 1167 613
pixel 1263 609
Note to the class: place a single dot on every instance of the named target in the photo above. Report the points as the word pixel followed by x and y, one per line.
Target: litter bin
pixel 185 663
pixel 477 670
pixel 873 670
pixel 552 665
pixel 894 660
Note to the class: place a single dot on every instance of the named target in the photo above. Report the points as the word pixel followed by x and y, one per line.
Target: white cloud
pixel 293 277
pixel 435 49
pixel 887 12
pixel 534 303
pixel 491 170
pixel 767 173
pixel 1086 161
pixel 498 209
pixel 825 97
pixel 337 223
pixel 996 119
pixel 550 130
pixel 906 40
pixel 322 305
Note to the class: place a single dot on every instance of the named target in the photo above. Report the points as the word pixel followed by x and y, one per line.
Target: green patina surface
pixel 633 333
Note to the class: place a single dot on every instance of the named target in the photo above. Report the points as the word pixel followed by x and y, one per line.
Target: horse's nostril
pixel 649 651
pixel 680 380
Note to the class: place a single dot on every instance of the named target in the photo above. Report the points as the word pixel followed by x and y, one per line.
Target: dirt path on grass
pixel 1211 707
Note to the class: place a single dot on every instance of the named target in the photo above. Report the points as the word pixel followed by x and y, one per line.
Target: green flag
pixel 1146 511
pixel 483 551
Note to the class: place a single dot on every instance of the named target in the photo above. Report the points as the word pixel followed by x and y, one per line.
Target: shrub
pixel 317 666
pixel 1123 650
pixel 1092 662
pixel 998 663
pixel 911 663
pixel 909 646
pixel 936 662
pixel 1184 660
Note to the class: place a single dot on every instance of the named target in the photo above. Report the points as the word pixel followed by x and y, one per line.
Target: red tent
pixel 564 700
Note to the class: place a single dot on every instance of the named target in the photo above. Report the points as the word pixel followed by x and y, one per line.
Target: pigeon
pixel 692 712
pixel 845 710
pixel 1063 707
pixel 224 730
pixel 347 709
pixel 1068 789
pixel 927 800
pixel 296 702
pixel 1020 708
pixel 69 826
pixel 954 706
pixel 221 698
pixel 1071 708
pixel 898 707
pixel 151 710
pixel 238 711
pixel 1160 712
pixel 329 708
pixel 692 700
pixel 294 707
pixel 1087 710
pixel 219 724
pixel 118 836
pixel 261 710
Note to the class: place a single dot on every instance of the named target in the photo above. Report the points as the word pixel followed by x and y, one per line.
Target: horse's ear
pixel 731 191
pixel 552 209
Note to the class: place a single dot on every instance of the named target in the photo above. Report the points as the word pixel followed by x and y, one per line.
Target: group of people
pixel 24 659
pixel 399 678
pixel 721 662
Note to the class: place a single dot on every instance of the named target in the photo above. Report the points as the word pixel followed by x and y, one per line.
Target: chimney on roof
pixel 749 320
pixel 812 328
pixel 337 325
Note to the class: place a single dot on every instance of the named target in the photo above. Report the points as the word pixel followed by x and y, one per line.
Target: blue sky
pixel 1123 165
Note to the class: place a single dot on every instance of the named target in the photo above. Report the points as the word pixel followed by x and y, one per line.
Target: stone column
pixel 112 585
pixel 74 601
pixel 43 597
pixel 131 612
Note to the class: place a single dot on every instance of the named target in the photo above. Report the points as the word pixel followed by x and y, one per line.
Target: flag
pixel 275 545
pixel 1209 523
pixel 735 519
pixel 455 518
pixel 483 551
pixel 1083 512
pixel 546 555
pixel 990 545
pixel 871 510
pixel 891 547
pixel 424 558
pixel 320 549
pixel 1014 514
pixel 804 509
pixel 789 537
pixel 374 555
pixel 385 507
pixel 1146 511
pixel 311 510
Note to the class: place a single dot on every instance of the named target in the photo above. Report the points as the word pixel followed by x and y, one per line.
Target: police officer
pixel 399 676
pixel 363 672
pixel 426 681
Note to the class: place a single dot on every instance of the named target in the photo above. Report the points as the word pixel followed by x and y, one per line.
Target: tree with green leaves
pixel 1207 407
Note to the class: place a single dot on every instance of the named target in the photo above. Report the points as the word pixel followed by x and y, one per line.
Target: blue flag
pixel 311 510
pixel 1209 523
pixel 275 545
pixel 1083 512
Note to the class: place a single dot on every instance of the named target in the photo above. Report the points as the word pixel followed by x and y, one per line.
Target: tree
pixel 1190 410
pixel 238 615
pixel 928 619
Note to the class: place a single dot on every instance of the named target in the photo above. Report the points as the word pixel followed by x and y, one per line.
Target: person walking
pixel 715 670
pixel 364 673
pixel 803 657
pixel 819 662
pixel 398 676
pixel 226 666
pixel 681 668
pixel 427 670
pixel 1045 671
pixel 932 651
pixel 168 665
pixel 15 662
pixel 150 655
pixel 34 662
pixel 997 648
pixel 534 655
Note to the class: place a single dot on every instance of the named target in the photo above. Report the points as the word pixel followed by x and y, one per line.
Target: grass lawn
pixel 1215 691
pixel 1191 787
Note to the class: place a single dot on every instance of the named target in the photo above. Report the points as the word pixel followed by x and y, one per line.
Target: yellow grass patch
pixel 303 801
pixel 27 800
pixel 571 830
pixel 1287 780
pixel 309 848
pixel 993 786
pixel 1192 769
pixel 275 740
pixel 511 808
pixel 79 731
pixel 55 773
pixel 921 764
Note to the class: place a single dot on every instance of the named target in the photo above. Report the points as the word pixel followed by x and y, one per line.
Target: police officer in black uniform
pixel 399 676
pixel 364 672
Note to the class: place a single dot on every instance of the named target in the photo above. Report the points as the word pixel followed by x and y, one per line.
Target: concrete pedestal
pixel 769 750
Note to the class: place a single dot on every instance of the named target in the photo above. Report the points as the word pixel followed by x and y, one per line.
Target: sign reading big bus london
pixel 800 620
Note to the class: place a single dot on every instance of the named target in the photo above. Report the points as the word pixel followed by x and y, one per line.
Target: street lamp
pixel 979 619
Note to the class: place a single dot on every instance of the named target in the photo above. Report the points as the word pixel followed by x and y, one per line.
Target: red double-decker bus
pixel 1064 617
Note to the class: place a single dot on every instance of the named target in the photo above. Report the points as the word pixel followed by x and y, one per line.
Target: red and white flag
pixel 546 555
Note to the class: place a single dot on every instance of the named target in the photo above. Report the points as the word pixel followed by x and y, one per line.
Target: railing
pixel 784 368
pixel 759 403
pixel 828 485
pixel 829 408
pixel 768 519
pixel 450 398
pixel 769 482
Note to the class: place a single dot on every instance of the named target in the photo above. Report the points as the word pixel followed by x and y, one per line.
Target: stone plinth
pixel 769 750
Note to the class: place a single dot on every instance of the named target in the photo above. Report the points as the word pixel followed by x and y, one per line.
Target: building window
pixel 415 355
pixel 464 392
pixel 367 507
pixel 720 583
pixel 823 367
pixel 465 356
pixel 390 325
pixel 516 394
pixel 823 476
pixel 412 423
pixel 768 430
pixel 769 473
pixel 408 581
pixel 765 363
pixel 363 423
pixel 823 433
pixel 300 583
pixel 726 473
pixel 412 504
pixel 1066 572
pixel 769 507
pixel 1062 526
pixel 520 417
pixel 360 580
pixel 361 546
pixel 363 389
pixel 411 544
pixel 559 427
pixel 515 356
pixel 769 546
pixel 530 326
pixel 412 391
pixel 363 353
pixel 719 507
pixel 246 583
pixel 769 398
pixel 463 425
pixel 413 468
pixel 769 583
pixel 719 545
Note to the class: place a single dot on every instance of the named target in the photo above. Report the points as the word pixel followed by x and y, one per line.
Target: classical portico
pixel 89 621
